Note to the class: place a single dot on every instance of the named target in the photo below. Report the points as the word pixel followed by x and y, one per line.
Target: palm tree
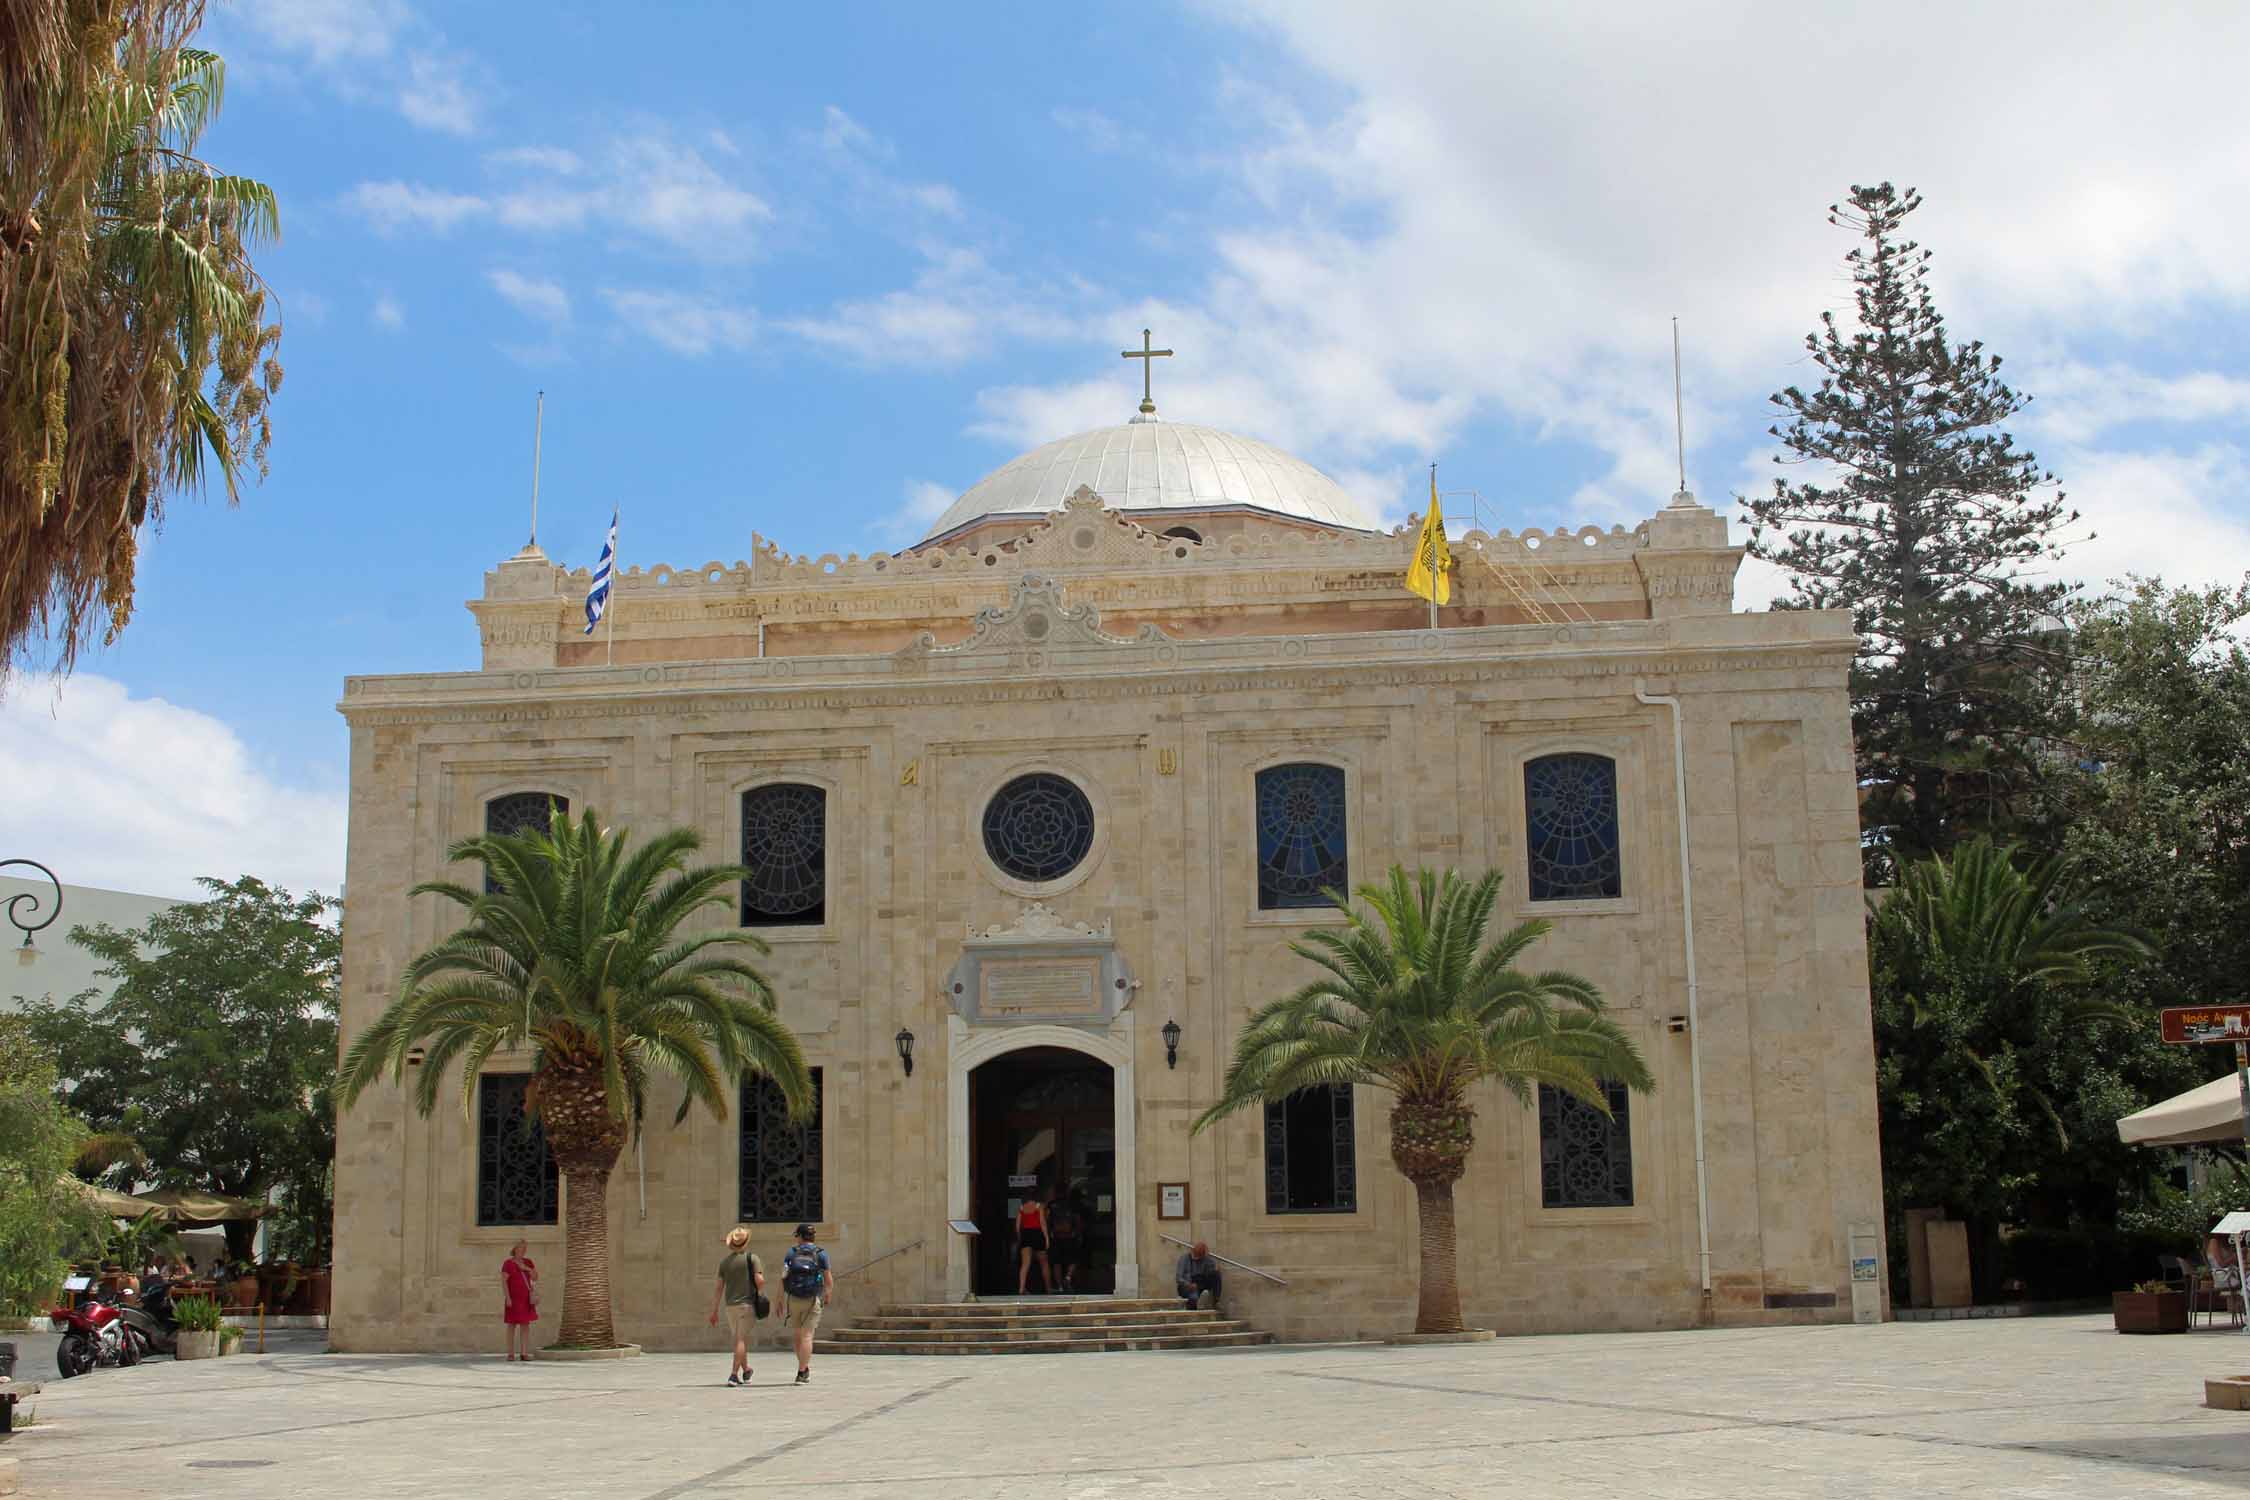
pixel 136 337
pixel 1416 1002
pixel 578 953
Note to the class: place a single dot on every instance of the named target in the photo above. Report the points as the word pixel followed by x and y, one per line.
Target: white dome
pixel 1153 466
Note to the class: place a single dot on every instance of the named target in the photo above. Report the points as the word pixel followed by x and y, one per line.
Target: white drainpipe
pixel 1694 1020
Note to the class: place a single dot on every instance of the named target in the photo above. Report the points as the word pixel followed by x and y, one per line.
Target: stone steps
pixel 1041 1325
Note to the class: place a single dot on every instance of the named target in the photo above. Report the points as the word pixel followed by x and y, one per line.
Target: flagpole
pixel 609 613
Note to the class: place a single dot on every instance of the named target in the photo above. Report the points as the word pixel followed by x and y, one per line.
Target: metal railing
pixel 1223 1260
pixel 886 1255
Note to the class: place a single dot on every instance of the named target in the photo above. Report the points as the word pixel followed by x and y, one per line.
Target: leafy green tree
pixel 215 1043
pixel 1996 1048
pixel 1415 1001
pixel 137 339
pixel 1922 519
pixel 579 954
pixel 2154 805
pixel 42 1217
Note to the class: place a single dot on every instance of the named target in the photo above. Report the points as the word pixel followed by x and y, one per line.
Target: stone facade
pixel 1160 675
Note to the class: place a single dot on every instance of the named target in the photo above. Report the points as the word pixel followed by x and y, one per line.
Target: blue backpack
pixel 802 1267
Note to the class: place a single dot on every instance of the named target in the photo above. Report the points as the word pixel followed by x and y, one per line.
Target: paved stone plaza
pixel 2045 1407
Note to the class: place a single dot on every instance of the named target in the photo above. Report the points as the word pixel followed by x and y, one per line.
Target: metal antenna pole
pixel 538 428
pixel 1679 422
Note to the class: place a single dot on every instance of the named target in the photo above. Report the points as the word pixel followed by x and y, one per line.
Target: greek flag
pixel 597 597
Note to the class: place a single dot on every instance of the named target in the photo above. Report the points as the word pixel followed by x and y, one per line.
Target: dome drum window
pixel 785 849
pixel 1038 828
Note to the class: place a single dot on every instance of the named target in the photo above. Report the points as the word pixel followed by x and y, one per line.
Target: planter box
pixel 2150 1312
pixel 198 1345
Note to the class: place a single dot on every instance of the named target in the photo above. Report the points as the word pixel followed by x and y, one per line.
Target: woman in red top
pixel 1031 1234
pixel 519 1286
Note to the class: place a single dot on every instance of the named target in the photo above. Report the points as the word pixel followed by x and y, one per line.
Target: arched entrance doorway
pixel 969 1049
pixel 1043 1126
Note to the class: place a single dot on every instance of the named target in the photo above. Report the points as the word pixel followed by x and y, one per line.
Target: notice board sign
pixel 2207 1023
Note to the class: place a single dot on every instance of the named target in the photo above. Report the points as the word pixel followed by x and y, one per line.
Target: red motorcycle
pixel 94 1331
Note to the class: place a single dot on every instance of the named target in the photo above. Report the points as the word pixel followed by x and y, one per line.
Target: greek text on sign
pixel 1040 987
pixel 2207 1023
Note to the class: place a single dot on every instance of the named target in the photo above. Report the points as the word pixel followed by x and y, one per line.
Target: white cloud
pixel 140 794
pixel 957 309
pixel 394 207
pixel 1093 127
pixel 685 324
pixel 645 184
pixel 862 160
pixel 2078 403
pixel 922 501
pixel 533 296
pixel 436 93
pixel 387 312
pixel 2156 512
pixel 328 31
pixel 555 159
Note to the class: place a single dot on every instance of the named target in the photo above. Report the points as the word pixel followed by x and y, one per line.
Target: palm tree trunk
pixel 1440 1308
pixel 587 1322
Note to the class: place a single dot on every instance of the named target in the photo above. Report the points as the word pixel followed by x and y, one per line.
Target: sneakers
pixel 804 1377
pixel 1208 1302
pixel 733 1379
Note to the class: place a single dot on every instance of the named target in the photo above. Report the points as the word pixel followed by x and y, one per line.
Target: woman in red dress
pixel 519 1286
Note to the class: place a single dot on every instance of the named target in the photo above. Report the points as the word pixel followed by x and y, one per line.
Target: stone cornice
pixel 1077 660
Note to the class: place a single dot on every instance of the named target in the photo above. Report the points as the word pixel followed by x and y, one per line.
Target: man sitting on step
pixel 1198 1277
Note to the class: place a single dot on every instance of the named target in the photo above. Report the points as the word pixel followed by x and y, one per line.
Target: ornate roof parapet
pixel 1688 568
pixel 1037 624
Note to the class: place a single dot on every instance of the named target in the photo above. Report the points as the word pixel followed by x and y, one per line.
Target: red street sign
pixel 2207 1023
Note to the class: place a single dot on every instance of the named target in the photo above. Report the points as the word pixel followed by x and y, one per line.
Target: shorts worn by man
pixel 807 1283
pixel 1197 1280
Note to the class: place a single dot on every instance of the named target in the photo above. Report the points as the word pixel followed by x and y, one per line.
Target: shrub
pixel 197 1314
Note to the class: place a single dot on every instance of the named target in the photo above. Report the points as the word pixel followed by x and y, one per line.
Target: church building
pixel 1032 811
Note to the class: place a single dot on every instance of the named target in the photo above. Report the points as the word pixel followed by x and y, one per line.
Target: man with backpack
pixel 806 1285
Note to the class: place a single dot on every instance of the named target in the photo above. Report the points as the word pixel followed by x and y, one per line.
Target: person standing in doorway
pixel 519 1291
pixel 807 1283
pixel 1031 1237
pixel 1065 1238
pixel 741 1279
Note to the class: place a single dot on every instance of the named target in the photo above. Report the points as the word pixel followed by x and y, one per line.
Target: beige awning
pixel 2210 1113
pixel 190 1206
pixel 115 1204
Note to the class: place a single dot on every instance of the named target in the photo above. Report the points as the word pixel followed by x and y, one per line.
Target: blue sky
pixel 812 271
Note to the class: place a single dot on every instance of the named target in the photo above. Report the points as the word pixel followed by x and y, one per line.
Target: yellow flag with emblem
pixel 1431 573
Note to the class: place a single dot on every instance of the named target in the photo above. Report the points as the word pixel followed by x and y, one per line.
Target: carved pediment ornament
pixel 1036 619
pixel 1037 923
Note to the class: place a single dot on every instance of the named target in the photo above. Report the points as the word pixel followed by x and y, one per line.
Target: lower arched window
pixel 1301 835
pixel 785 849
pixel 1585 1156
pixel 1570 827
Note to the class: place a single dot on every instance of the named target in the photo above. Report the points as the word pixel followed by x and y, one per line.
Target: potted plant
pixel 230 1339
pixel 2150 1307
pixel 199 1328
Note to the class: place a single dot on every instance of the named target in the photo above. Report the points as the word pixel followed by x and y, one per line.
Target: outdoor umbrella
pixel 2210 1113
pixel 192 1206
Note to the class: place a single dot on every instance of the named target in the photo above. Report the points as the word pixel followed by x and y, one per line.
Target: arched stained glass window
pixel 1038 827
pixel 1570 817
pixel 520 812
pixel 785 849
pixel 1301 835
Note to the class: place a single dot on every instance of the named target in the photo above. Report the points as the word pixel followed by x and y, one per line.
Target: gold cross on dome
pixel 1148 357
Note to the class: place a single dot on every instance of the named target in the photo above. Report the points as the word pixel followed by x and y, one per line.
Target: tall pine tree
pixel 1924 520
